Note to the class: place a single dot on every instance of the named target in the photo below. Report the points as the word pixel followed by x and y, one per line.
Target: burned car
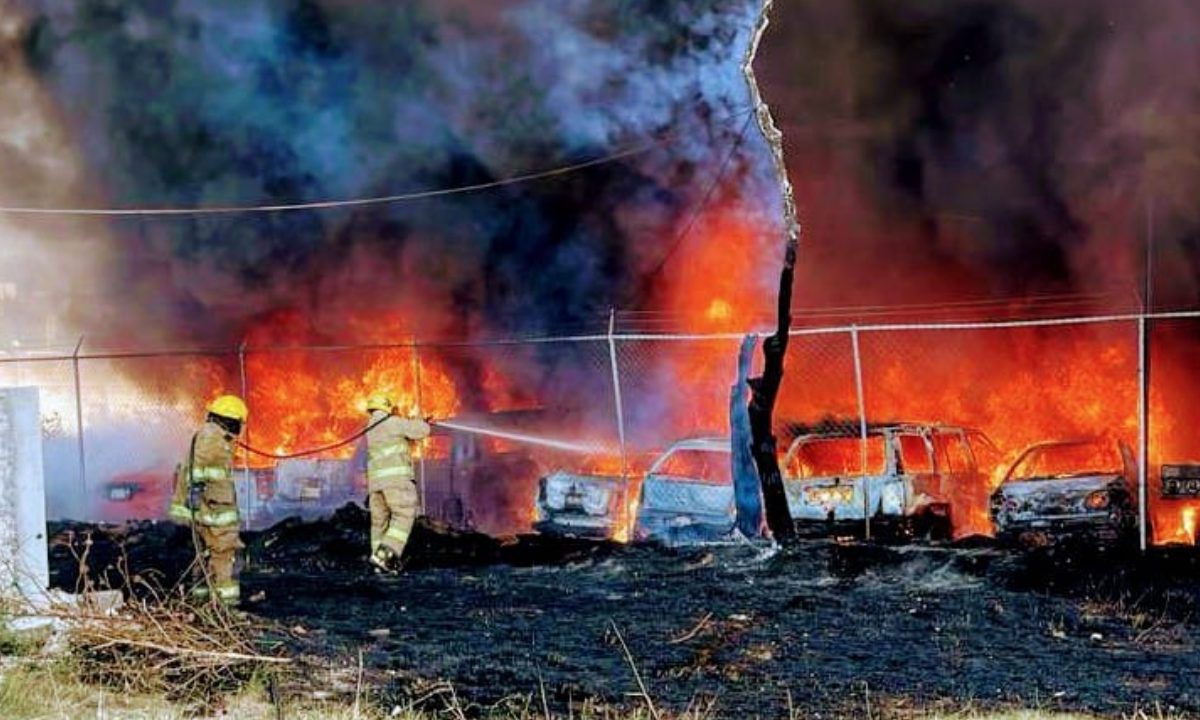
pixel 580 505
pixel 597 502
pixel 141 495
pixel 685 495
pixel 910 479
pixel 1068 490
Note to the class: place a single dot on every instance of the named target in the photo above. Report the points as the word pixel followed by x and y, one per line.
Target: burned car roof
pixel 851 428
pixel 710 442
pixel 1113 463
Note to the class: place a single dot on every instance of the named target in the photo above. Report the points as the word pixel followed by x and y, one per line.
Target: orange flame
pixel 623 531
pixel 1019 386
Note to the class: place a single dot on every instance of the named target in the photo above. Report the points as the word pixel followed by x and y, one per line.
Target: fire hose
pixel 313 451
pixel 586 448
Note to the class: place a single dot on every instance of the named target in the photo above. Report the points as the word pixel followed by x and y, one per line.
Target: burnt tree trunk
pixel 747 490
pixel 763 391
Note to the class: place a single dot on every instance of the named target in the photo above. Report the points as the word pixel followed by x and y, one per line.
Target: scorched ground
pixel 830 623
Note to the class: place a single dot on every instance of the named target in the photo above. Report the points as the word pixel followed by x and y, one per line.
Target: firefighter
pixel 391 481
pixel 206 499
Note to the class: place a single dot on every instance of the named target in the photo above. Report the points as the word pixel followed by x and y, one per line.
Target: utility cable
pixel 359 202
pixel 700 207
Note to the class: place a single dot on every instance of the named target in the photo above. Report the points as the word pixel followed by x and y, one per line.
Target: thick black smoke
pixel 980 147
pixel 282 101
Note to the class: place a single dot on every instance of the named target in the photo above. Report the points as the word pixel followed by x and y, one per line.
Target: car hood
pixel 1072 488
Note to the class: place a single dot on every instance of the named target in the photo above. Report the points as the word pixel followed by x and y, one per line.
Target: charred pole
pixel 765 388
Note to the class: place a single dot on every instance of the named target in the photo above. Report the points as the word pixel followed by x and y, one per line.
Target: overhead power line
pixel 696 212
pixel 364 201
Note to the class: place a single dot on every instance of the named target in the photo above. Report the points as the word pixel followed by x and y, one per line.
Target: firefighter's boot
pixel 383 560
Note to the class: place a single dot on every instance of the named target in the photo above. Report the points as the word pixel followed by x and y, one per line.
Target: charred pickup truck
pixel 1072 490
pixel 911 479
pixel 686 495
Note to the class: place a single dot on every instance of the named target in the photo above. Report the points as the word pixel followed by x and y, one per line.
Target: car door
pixel 965 487
pixel 1130 475
pixel 919 484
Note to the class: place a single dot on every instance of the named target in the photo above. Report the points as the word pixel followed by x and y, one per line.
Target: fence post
pixel 79 430
pixel 862 431
pixel 416 373
pixel 616 380
pixel 251 487
pixel 1143 435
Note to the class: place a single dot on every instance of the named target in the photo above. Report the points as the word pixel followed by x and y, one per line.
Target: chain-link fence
pixel 952 407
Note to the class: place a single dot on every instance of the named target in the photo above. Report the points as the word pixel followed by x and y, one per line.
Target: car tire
pixel 941 528
pixel 928 527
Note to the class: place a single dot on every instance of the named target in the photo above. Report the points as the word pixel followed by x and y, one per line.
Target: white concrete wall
pixel 24 564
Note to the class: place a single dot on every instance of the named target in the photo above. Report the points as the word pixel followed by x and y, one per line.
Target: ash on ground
pixel 829 623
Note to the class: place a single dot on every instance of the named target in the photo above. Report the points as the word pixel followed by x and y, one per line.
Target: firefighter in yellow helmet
pixel 391 480
pixel 206 498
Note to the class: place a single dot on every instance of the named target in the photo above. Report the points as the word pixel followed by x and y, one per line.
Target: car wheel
pixel 941 529
pixel 928 527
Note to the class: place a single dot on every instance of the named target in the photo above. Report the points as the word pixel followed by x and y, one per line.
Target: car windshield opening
pixel 828 457
pixel 701 466
pixel 1063 460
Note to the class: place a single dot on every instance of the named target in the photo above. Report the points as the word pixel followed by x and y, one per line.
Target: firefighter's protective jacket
pixel 390 450
pixel 209 472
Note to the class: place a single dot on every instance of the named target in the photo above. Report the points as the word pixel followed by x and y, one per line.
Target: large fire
pixel 1019 386
pixel 301 398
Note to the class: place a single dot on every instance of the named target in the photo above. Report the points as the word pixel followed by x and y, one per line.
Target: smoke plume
pixel 983 148
pixel 47 268
pixel 200 104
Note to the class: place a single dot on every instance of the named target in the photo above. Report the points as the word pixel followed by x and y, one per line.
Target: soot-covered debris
pixel 340 544
pixel 494 617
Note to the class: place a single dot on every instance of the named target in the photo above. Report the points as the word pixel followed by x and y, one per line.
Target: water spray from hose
pixel 590 448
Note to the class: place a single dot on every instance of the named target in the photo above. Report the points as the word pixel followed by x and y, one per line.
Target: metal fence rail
pixel 112 415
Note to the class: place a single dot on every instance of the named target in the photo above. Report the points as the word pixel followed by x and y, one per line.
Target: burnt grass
pixel 835 625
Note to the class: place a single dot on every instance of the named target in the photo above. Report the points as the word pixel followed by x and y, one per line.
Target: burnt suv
pixel 910 479
pixel 1068 490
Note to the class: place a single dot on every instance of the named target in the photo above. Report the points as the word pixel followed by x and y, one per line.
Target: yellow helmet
pixel 380 401
pixel 229 406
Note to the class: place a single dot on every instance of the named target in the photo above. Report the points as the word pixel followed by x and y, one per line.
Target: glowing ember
pixel 719 311
pixel 717 281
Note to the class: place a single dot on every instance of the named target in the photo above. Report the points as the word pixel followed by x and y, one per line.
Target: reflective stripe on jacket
pixel 211 470
pixel 180 512
pixel 389 449
pixel 203 474
pixel 217 518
